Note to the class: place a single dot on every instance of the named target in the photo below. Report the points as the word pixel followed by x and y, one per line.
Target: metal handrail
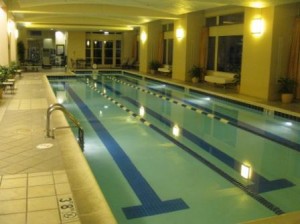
pixel 50 132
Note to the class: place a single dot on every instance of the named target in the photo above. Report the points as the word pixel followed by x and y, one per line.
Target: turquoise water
pixel 149 175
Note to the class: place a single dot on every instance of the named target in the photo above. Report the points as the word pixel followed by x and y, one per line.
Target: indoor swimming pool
pixel 165 153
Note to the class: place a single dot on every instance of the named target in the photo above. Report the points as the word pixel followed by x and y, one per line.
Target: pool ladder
pixel 50 132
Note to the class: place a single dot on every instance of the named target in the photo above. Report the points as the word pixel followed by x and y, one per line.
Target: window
pixel 225 52
pixel 97 52
pixel 108 52
pixel 88 52
pixel 230 53
pixel 231 19
pixel 168 52
pixel 211 53
pixel 211 21
pixel 168 27
pixel 118 53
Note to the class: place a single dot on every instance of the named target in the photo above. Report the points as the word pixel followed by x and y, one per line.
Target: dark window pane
pixel 230 53
pixel 118 44
pixel 231 19
pixel 211 21
pixel 170 52
pixel 211 53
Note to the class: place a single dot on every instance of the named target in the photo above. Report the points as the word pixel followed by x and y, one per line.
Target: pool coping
pixel 91 204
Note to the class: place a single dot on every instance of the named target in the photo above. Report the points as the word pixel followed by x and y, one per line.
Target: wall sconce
pixel 245 171
pixel 257 26
pixel 179 33
pixel 16 34
pixel 143 36
pixel 10 26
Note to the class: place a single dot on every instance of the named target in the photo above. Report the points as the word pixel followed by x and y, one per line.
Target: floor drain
pixel 44 146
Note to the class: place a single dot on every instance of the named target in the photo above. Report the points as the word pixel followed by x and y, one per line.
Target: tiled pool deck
pixel 39 184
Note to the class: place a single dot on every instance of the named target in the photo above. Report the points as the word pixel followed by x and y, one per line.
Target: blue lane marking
pixel 151 203
pixel 260 183
pixel 248 191
pixel 234 122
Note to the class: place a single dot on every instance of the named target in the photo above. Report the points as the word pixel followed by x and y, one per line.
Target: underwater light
pixel 288 123
pixel 142 111
pixel 245 171
pixel 176 130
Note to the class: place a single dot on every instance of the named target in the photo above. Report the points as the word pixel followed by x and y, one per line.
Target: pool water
pixel 163 153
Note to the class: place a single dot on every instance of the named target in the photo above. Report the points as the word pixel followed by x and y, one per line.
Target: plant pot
pixel 152 71
pixel 287 97
pixel 195 80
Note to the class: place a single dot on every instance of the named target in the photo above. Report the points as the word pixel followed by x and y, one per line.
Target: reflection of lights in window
pixel 176 130
pixel 288 123
pixel 142 111
pixel 106 32
pixel 245 171
pixel 100 113
pixel 95 85
pixel 207 98
pixel 88 43
pixel 104 91
pixel 87 80
pixel 105 106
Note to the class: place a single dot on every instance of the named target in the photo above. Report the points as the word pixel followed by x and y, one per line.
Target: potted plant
pixel 196 73
pixel 154 65
pixel 4 73
pixel 287 88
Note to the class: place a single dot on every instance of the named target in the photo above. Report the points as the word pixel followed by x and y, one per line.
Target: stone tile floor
pixel 34 187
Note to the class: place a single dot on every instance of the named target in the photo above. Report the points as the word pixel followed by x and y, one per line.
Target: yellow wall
pixel 265 57
pixel 284 18
pixel 129 39
pixel 256 60
pixel 179 51
pixel 3 38
pixel 149 48
pixel 76 46
pixel 143 59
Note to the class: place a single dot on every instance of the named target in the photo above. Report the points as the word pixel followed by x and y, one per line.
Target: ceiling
pixel 118 15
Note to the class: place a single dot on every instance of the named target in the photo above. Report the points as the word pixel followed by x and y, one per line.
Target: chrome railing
pixel 50 131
